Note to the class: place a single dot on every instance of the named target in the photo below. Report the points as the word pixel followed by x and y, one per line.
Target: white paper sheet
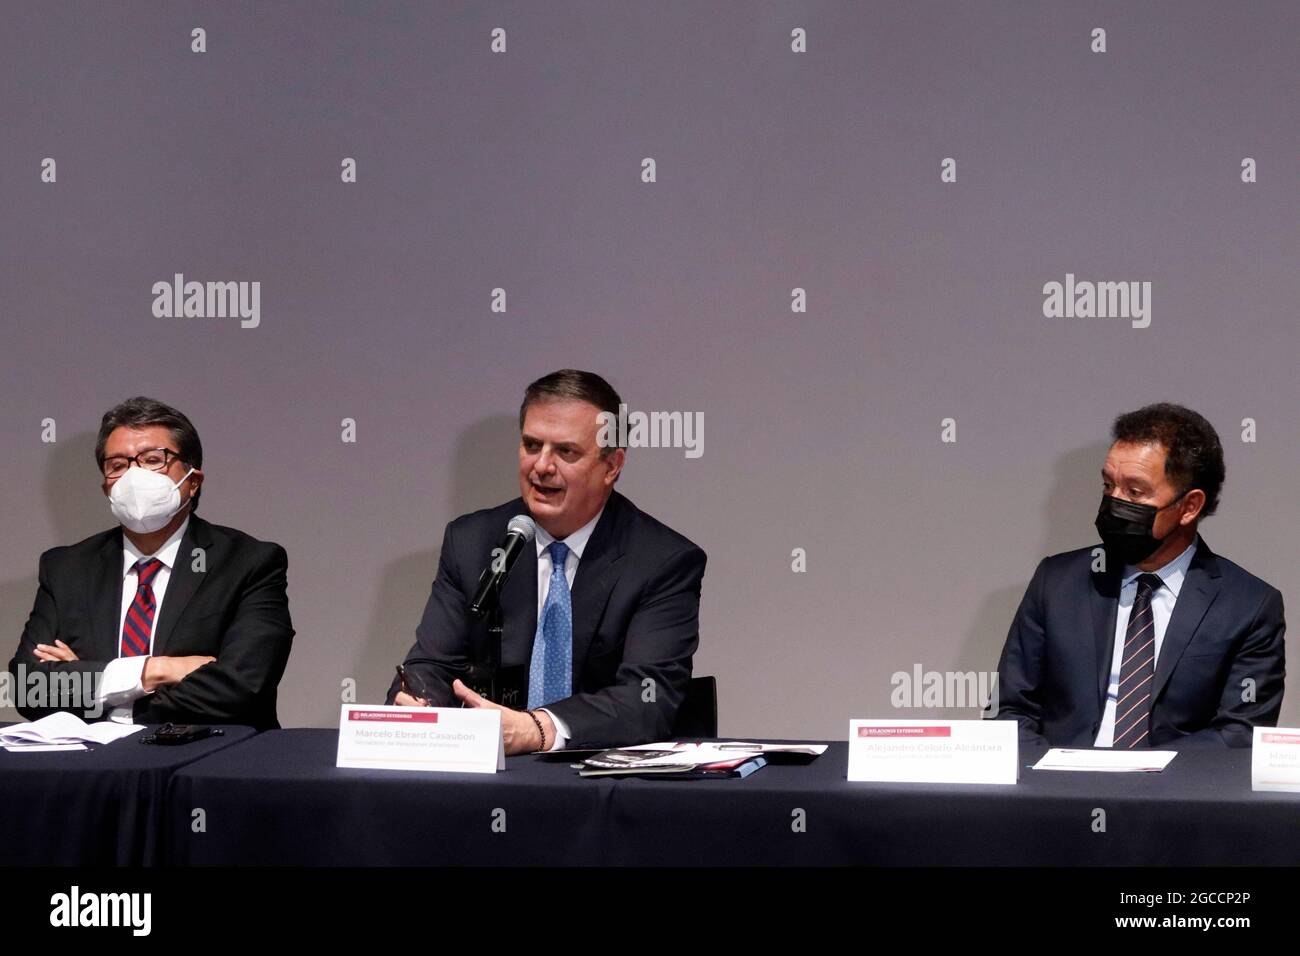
pixel 65 728
pixel 1106 760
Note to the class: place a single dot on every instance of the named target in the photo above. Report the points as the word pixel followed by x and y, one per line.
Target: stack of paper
pixel 1112 761
pixel 784 753
pixel 682 758
pixel 799 753
pixel 62 731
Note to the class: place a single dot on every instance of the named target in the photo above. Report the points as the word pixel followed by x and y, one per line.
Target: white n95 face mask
pixel 145 500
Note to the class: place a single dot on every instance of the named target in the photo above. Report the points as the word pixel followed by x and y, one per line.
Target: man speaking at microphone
pixel 600 611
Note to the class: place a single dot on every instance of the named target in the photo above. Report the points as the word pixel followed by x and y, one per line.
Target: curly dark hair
pixel 1194 454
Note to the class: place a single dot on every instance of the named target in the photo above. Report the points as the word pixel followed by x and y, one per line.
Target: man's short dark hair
pixel 141 412
pixel 1193 453
pixel 571 384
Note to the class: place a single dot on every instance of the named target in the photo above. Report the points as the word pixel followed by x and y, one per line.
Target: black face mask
pixel 1125 528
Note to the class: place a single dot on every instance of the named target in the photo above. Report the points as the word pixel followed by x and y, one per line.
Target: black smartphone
pixel 173 734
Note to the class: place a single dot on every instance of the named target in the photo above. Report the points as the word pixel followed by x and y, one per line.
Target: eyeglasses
pixel 155 459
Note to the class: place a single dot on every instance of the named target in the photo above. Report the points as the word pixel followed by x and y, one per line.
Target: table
pixel 98 807
pixel 278 799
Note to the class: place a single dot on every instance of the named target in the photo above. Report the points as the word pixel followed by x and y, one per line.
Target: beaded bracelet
pixel 540 732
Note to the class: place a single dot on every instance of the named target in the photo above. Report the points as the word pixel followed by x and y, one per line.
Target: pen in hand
pixel 419 693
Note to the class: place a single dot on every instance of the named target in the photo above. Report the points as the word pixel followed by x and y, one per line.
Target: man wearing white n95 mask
pixel 601 611
pixel 173 618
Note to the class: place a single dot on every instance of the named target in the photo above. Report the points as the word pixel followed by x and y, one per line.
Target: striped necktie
pixel 138 626
pixel 1137 671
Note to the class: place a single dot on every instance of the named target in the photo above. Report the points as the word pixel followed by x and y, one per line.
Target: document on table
pixel 671 756
pixel 63 731
pixel 767 750
pixel 728 749
pixel 1104 759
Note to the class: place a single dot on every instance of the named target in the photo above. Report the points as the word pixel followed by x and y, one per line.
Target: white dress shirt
pixel 577 542
pixel 121 684
pixel 1163 600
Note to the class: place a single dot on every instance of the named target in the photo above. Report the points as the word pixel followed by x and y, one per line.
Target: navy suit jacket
pixel 236 610
pixel 636 604
pixel 1226 631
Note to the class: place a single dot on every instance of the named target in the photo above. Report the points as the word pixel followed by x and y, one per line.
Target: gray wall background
pixel 775 170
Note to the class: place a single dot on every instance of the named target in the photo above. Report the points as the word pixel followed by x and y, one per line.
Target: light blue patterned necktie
pixel 550 674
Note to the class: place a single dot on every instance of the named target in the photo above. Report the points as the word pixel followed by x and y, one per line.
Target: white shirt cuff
pixel 122 681
pixel 561 731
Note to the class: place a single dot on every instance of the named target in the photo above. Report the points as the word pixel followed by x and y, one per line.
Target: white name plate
pixel 934 751
pixel 447 739
pixel 1275 759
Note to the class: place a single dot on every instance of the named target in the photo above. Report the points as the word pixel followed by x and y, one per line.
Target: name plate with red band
pixel 933 751
pixel 446 739
pixel 1275 759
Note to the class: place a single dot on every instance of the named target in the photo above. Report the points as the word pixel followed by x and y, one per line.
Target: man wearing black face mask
pixel 1152 640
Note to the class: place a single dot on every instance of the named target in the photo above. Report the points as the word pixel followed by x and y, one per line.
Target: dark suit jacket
pixel 236 610
pixel 636 602
pixel 1226 627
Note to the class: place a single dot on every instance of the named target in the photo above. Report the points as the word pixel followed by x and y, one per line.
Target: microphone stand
pixel 501 685
pixel 496 627
pixel 507 682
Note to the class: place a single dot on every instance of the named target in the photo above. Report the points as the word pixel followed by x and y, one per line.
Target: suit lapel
pixel 106 588
pixel 183 582
pixel 598 570
pixel 1103 602
pixel 1198 592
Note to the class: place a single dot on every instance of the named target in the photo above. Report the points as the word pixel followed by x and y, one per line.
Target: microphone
pixel 519 532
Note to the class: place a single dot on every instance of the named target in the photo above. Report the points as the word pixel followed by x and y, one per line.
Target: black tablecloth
pixel 98 807
pixel 279 799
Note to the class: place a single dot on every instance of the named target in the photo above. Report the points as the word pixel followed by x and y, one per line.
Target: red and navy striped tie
pixel 139 616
